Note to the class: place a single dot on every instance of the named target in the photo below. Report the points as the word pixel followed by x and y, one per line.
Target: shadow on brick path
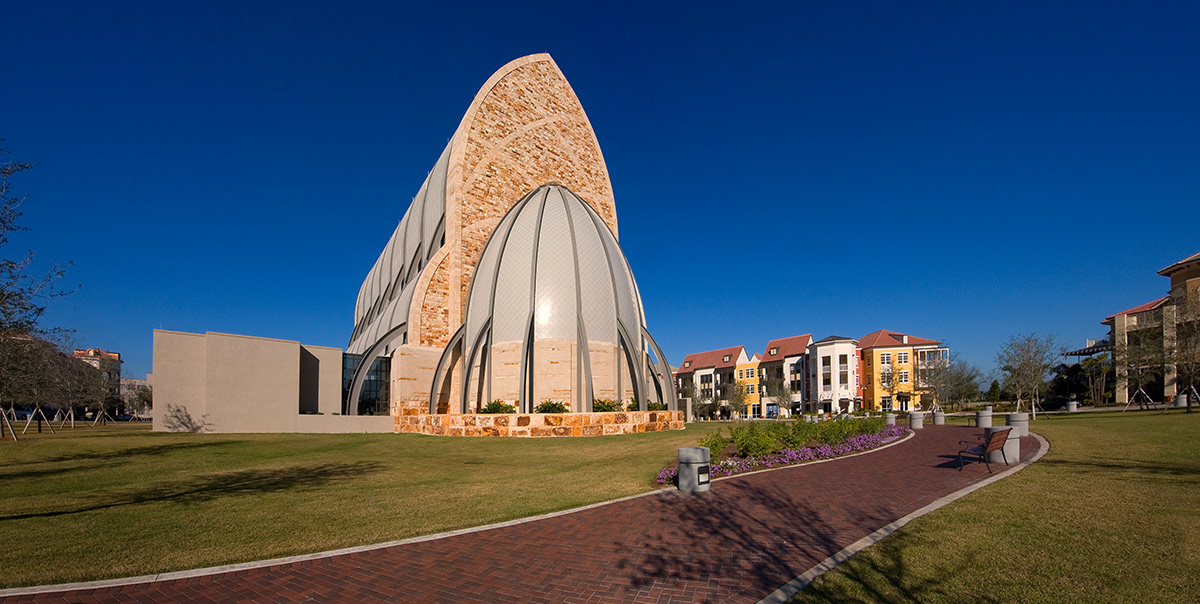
pixel 740 542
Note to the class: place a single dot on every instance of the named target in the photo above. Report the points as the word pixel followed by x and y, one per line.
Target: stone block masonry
pixel 536 425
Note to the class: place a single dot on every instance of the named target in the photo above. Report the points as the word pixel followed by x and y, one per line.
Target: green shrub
pixel 601 405
pixel 800 435
pixel 498 406
pixel 656 407
pixel 633 405
pixel 753 439
pixel 551 407
pixel 716 444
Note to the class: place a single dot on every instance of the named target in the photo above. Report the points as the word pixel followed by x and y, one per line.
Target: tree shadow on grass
pixel 127 453
pixel 747 539
pixel 883 573
pixel 1132 469
pixel 214 486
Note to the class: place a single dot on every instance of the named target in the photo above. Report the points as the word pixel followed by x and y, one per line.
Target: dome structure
pixel 553 314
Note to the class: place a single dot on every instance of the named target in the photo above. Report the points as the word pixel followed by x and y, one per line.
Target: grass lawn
pixel 120 501
pixel 1110 514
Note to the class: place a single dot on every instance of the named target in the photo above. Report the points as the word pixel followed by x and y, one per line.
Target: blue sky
pixel 963 171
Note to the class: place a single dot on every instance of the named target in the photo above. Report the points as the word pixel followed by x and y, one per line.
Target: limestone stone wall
pixel 539 424
pixel 524 129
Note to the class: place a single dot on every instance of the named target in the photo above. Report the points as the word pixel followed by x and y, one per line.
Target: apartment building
pixel 711 372
pixel 1159 339
pixel 892 365
pixel 833 376
pixel 747 375
pixel 786 359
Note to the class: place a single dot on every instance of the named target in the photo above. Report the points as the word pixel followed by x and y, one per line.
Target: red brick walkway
pixel 739 543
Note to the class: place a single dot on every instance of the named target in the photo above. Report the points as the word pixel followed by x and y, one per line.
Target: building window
pixel 827 381
pixel 843 378
pixel 687 364
pixel 885 358
pixel 725 359
pixel 825 362
pixel 886 402
pixel 902 357
pixel 750 389
pixel 903 377
pixel 773 351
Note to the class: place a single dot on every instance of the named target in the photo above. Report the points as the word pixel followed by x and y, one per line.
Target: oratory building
pixel 504 281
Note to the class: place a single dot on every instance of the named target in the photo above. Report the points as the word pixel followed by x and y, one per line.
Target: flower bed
pixel 785 457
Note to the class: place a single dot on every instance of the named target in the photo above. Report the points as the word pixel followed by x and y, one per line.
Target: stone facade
pixel 539 424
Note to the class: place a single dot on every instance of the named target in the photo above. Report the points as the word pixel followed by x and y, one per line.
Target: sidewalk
pixel 739 543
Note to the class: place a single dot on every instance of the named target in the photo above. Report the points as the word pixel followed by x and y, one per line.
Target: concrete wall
pixel 252 384
pixel 216 382
pixel 179 381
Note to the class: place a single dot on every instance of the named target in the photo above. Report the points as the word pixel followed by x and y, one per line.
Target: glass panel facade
pixel 374 399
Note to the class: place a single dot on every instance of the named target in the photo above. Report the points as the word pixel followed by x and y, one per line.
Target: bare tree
pixel 1027 361
pixel 889 380
pixel 1187 346
pixel 1140 358
pixel 780 391
pixel 735 397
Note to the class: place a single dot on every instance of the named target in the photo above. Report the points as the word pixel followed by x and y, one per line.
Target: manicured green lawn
pixel 1110 514
pixel 121 501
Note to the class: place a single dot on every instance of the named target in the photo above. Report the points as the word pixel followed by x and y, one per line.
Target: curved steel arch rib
pixel 350 406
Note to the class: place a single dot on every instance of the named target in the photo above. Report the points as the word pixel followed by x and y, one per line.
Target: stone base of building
pixel 537 424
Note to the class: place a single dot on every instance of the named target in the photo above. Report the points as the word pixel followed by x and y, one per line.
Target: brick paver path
pixel 740 542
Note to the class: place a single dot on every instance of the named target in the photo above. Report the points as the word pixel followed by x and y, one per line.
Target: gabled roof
pixel 1153 304
pixel 1182 264
pixel 786 347
pixel 711 359
pixel 884 339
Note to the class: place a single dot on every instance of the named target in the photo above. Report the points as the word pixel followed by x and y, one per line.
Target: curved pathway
pixel 741 542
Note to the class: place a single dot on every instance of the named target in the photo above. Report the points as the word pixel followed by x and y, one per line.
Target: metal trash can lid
pixel 694 455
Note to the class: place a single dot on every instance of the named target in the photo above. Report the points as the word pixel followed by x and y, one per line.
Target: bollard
pixel 939 418
pixel 693 469
pixel 1019 422
pixel 916 420
pixel 1072 406
pixel 1012 447
pixel 1181 400
pixel 983 419
pixel 889 419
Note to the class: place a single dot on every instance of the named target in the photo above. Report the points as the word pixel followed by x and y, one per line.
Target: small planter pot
pixel 1072 406
pixel 939 418
pixel 889 419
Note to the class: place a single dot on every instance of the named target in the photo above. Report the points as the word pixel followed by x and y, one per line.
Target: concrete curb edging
pixel 791 588
pixel 215 570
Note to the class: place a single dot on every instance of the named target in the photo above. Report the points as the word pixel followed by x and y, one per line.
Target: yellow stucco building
pixel 747 375
pixel 892 364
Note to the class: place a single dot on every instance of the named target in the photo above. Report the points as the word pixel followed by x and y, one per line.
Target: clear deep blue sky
pixel 956 170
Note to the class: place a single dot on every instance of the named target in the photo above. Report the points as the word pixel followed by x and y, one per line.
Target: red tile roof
pixel 1166 272
pixel 787 347
pixel 1137 309
pixel 884 338
pixel 712 358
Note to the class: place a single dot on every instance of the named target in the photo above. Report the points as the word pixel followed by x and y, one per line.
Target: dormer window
pixel 773 351
pixel 687 364
pixel 725 359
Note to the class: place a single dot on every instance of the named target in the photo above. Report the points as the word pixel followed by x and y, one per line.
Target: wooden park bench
pixel 995 442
